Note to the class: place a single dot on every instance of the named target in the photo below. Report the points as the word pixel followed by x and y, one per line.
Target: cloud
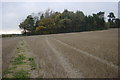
pixel 59 0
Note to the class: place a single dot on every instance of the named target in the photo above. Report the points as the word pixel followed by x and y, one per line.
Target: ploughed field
pixel 8 46
pixel 75 55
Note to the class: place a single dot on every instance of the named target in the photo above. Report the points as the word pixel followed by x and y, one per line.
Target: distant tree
pixel 28 25
pixel 111 19
pixel 23 26
pixel 65 25
pixel 117 23
pixel 56 17
pixel 48 13
pixel 89 23
pixel 79 21
pixel 99 21
pixel 36 19
pixel 40 30
pixel 67 21
pixel 81 15
pixel 41 17
pixel 101 15
pixel 45 25
pixel 47 22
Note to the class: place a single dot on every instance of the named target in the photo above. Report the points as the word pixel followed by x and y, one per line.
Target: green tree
pixel 28 25
pixel 99 18
pixel 67 21
pixel 42 16
pixel 117 23
pixel 46 25
pixel 65 25
pixel 111 19
pixel 47 22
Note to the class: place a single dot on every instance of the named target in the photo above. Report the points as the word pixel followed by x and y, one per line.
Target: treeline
pixel 10 35
pixel 51 22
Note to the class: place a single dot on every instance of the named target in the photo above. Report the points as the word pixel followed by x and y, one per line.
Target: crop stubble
pixel 101 44
pixel 62 55
pixel 8 47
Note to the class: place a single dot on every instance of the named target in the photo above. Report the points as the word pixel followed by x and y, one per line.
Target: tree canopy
pixel 68 21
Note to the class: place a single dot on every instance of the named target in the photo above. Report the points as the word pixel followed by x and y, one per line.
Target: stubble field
pixel 8 47
pixel 75 55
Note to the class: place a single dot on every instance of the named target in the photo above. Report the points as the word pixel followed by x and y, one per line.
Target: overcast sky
pixel 14 12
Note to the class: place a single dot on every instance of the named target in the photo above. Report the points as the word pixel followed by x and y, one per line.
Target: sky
pixel 13 13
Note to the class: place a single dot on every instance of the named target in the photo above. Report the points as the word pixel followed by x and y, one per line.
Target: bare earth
pixel 22 50
pixel 8 47
pixel 74 55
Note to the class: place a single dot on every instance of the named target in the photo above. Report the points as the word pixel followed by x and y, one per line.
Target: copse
pixel 50 22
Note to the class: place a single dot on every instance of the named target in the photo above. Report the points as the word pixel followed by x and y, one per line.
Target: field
pixel 74 55
pixel 8 46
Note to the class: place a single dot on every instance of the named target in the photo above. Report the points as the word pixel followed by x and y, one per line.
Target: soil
pixel 72 55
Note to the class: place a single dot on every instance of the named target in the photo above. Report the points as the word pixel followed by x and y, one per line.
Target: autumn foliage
pixel 51 22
